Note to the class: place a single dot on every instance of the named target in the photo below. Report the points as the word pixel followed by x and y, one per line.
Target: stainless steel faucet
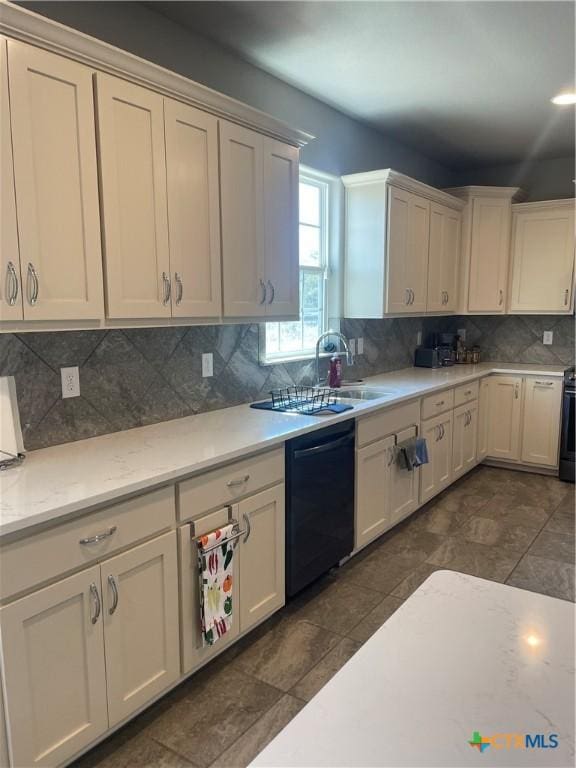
pixel 344 341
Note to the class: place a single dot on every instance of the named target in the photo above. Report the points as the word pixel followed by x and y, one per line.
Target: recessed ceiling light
pixel 564 98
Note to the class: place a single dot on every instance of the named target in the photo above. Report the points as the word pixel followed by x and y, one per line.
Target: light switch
pixel 207 364
pixel 70 382
pixel 360 345
pixel 352 345
pixel 548 337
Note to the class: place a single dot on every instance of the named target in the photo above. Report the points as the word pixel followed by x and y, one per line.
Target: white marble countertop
pixel 56 482
pixel 461 655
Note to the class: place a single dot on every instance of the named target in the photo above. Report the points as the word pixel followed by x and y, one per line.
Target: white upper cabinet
pixel 259 194
pixel 542 257
pixel 10 279
pixel 193 210
pixel 485 248
pixel 134 204
pixel 56 184
pixel 390 240
pixel 443 259
pixel 242 179
pixel 281 228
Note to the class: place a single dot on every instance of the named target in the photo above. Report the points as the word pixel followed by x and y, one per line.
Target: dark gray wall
pixel 130 378
pixel 540 179
pixel 343 145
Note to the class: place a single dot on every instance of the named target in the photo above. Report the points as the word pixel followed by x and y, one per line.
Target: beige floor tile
pixel 253 741
pixel 568 503
pixel 325 669
pixel 498 533
pixel 506 507
pixel 445 517
pixel 547 577
pixel 554 546
pixel 474 559
pixel 382 570
pixel 561 522
pixel 284 655
pixel 372 623
pixel 414 580
pixel 339 606
pixel 137 752
pixel 212 714
pixel 406 539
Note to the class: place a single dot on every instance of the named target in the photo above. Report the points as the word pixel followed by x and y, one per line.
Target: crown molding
pixel 396 179
pixel 567 202
pixel 28 27
pixel 506 193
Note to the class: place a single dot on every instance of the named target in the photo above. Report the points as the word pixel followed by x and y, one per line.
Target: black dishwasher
pixel 319 503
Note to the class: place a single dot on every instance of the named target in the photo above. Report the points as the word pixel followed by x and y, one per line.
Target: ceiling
pixel 467 83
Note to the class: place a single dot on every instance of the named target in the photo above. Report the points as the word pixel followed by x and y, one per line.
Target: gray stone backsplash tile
pixel 140 376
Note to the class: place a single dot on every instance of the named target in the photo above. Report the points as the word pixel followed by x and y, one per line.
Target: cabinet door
pixel 53 666
pixel 443 258
pixel 133 193
pixel 505 410
pixel 464 439
pixel 193 210
pixel 404 485
pixel 194 653
pixel 52 115
pixel 397 294
pixel 437 474
pixel 417 263
pixel 140 589
pixel 242 198
pixel 281 266
pixel 261 556
pixel 373 470
pixel 10 279
pixel 490 234
pixel 543 260
pixel 541 423
pixel 483 418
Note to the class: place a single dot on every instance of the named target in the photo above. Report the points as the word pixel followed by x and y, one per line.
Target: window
pixel 293 340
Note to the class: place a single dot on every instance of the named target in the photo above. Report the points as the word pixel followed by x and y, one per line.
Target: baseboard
pixel 534 469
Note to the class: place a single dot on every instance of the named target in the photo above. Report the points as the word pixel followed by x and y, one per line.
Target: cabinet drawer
pixel 466 393
pixel 46 555
pixel 386 422
pixel 438 403
pixel 227 484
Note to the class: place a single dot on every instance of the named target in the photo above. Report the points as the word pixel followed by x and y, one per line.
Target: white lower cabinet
pixel 140 613
pixel 404 485
pixel 83 654
pixel 464 439
pixel 483 418
pixel 504 420
pixel 541 421
pixel 54 673
pixel 437 474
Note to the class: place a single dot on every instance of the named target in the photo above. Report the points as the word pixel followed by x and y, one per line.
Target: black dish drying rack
pixel 303 399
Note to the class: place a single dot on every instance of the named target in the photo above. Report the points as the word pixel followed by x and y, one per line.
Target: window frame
pixel 328 269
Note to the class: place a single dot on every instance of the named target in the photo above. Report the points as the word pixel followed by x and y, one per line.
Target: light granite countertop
pixel 461 656
pixel 57 482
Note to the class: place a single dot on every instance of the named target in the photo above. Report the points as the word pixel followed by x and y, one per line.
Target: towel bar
pixel 219 544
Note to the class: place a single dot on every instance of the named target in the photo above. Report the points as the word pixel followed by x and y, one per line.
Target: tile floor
pixel 511 527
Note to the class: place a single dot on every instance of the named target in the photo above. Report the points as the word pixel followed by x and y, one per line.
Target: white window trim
pixel 333 269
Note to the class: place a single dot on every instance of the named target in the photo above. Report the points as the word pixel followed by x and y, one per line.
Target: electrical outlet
pixel 360 345
pixel 548 337
pixel 462 333
pixel 207 364
pixel 352 345
pixel 70 382
pixel 419 339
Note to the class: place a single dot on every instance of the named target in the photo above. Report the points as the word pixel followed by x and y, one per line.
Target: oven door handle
pixel 325 447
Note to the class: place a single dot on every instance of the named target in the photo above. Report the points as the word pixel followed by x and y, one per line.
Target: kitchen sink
pixel 363 393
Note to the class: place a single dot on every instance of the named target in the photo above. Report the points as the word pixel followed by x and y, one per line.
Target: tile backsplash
pixel 133 377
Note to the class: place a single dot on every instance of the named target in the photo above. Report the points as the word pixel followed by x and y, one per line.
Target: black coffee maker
pixel 438 351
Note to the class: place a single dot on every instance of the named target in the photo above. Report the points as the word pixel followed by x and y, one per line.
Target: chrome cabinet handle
pixel 97 604
pixel 439 432
pixel 272 292
pixel 114 588
pixel 501 299
pixel 443 431
pixel 440 404
pixel 33 285
pixel 413 295
pixel 248 527
pixel 239 481
pixel 516 391
pixel 179 288
pixel 263 289
pixel 447 297
pixel 390 457
pixel 99 536
pixel 407 296
pixel 167 288
pixel 545 383
pixel 11 284
pixel 566 296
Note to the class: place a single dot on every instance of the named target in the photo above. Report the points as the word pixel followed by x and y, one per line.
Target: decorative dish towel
pixel 215 566
pixel 412 453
